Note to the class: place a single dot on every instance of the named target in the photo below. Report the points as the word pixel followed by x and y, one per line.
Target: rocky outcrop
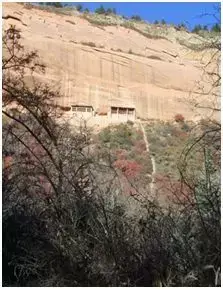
pixel 109 65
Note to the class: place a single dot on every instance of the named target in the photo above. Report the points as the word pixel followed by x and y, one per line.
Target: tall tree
pixel 79 7
pixel 100 10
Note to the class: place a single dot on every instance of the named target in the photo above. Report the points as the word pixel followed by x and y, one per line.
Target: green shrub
pixel 129 122
pixel 79 7
pixel 136 18
pixel 216 28
pixel 120 136
pixel 196 28
pixel 185 127
pixel 105 135
pixel 54 4
pixel 108 11
pixel 100 10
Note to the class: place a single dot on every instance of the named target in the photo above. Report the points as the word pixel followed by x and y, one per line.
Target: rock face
pixel 98 66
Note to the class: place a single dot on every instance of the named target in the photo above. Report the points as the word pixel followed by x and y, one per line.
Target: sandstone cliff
pixel 112 65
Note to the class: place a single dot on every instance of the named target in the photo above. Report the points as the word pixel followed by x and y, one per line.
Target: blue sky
pixel 172 12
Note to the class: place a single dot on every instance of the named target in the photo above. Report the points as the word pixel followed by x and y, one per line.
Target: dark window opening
pixel 114 110
pixel 122 110
pixel 130 110
pixel 82 108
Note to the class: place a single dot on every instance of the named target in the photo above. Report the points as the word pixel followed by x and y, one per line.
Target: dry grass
pixel 61 11
pixel 130 25
pixel 96 21
pixel 194 46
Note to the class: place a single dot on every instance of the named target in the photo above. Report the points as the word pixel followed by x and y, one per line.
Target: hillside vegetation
pixel 158 30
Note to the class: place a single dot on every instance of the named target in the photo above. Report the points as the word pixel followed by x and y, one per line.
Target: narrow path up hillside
pixel 152 184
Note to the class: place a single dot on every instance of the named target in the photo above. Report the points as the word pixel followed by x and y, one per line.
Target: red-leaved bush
pixel 130 168
pixel 179 117
pixel 8 161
